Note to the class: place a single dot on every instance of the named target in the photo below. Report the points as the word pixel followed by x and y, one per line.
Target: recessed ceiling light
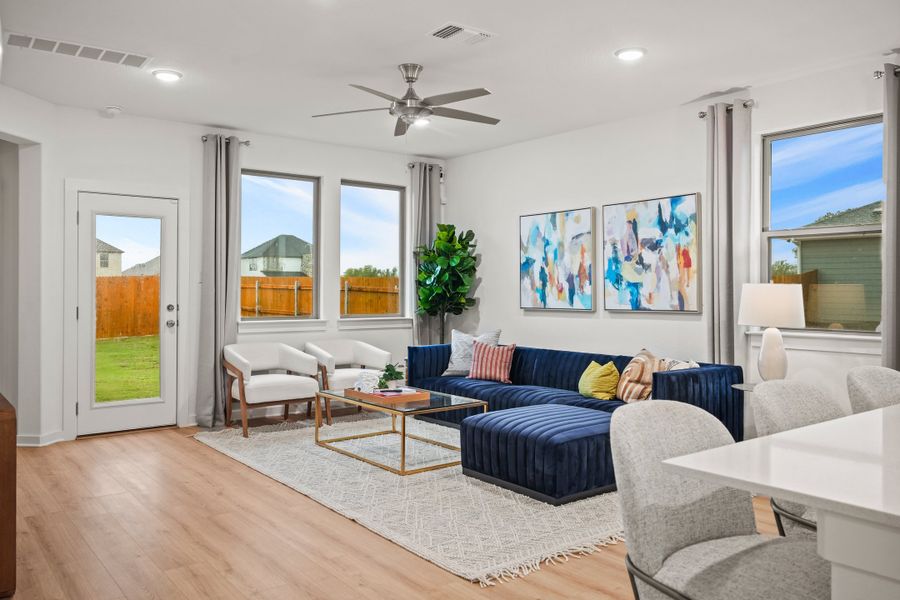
pixel 630 54
pixel 422 122
pixel 167 75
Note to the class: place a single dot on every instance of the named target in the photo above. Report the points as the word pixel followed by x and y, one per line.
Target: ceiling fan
pixel 410 109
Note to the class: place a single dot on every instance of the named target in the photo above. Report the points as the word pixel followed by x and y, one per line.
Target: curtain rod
pixel 241 142
pixel 430 165
pixel 746 104
pixel 880 74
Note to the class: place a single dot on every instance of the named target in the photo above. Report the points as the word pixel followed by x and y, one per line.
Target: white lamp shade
pixel 772 305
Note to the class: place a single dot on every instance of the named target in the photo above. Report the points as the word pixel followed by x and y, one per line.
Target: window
pixel 371 249
pixel 824 194
pixel 279 251
pixel 104 260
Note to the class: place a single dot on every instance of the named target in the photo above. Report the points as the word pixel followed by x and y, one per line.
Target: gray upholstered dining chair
pixel 873 387
pixel 693 540
pixel 780 405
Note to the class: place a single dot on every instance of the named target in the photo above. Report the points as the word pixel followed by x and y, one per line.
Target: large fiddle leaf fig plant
pixel 446 274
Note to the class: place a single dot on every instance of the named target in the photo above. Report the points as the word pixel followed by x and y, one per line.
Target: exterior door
pixel 127 312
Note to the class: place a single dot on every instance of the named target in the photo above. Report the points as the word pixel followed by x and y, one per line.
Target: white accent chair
pixel 342 361
pixel 693 540
pixel 873 387
pixel 780 405
pixel 247 378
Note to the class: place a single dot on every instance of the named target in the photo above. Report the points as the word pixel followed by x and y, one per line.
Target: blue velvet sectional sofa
pixel 542 376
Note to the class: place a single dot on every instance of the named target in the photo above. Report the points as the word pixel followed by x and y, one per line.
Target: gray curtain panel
pixel 219 272
pixel 728 188
pixel 426 213
pixel 890 248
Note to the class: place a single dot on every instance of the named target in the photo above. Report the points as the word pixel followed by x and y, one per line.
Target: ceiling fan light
pixel 630 54
pixel 422 122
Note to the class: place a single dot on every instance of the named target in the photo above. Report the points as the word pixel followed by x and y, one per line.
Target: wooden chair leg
pixel 287 410
pixel 244 418
pixel 229 402
pixel 328 411
pixel 308 409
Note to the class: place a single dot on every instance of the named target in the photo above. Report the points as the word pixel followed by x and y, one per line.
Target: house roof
pixel 869 214
pixel 151 267
pixel 283 246
pixel 108 248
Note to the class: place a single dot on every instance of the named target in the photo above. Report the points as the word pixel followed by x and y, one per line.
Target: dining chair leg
pixel 244 418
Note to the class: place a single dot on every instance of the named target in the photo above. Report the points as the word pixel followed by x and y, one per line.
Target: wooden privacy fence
pixel 292 296
pixel 127 306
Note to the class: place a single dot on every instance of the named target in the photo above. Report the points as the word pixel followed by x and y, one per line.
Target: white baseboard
pixel 35 441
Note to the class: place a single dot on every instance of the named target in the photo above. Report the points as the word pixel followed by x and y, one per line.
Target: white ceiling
pixel 267 65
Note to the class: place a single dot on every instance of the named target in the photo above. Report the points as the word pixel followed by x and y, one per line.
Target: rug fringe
pixel 508 574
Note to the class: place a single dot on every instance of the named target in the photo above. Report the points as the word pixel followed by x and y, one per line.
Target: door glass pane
pixel 126 360
pixel 840 275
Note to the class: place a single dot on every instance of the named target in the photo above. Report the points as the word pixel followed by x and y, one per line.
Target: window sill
pixel 351 323
pixel 281 326
pixel 855 336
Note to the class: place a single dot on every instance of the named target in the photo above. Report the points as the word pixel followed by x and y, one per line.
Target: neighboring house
pixel 109 260
pixel 844 274
pixel 151 267
pixel 282 256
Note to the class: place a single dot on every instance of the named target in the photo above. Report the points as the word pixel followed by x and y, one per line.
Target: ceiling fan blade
pixel 452 113
pixel 376 92
pixel 400 128
pixel 349 112
pixel 442 99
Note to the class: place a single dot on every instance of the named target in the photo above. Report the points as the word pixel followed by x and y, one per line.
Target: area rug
pixel 473 529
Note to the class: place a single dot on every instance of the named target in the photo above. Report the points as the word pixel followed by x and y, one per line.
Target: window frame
pixel 768 234
pixel 401 267
pixel 316 244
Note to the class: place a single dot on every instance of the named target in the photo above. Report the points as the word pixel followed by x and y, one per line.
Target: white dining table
pixel 848 469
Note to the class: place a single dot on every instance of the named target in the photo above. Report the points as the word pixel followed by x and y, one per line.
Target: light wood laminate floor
pixel 155 514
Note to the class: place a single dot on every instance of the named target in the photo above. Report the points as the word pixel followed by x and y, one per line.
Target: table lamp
pixel 772 305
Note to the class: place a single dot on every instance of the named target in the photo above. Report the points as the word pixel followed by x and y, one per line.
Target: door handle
pixel 170 323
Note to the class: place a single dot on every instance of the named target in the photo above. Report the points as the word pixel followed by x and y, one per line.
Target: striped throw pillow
pixel 636 381
pixel 492 363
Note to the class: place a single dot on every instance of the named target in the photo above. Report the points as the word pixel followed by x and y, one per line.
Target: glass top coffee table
pixel 436 403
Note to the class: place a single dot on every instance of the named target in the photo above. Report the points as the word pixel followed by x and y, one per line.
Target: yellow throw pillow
pixel 636 382
pixel 599 381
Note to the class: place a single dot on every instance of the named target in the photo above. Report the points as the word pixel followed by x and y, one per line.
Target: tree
pixel 783 267
pixel 445 275
pixel 370 271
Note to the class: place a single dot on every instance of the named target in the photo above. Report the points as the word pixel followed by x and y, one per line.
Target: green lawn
pixel 127 368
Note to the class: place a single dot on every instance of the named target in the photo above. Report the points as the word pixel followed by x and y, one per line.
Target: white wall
pixel 76 144
pixel 657 155
pixel 9 270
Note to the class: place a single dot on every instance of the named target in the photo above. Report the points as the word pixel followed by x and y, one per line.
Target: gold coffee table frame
pixel 327 443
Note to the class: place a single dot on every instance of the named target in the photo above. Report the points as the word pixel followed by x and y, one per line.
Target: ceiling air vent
pixel 461 33
pixel 116 57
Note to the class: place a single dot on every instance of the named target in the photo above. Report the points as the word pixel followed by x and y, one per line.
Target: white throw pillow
pixel 673 364
pixel 461 349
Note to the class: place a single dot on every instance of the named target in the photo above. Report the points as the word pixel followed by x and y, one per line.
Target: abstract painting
pixel 651 255
pixel 556 260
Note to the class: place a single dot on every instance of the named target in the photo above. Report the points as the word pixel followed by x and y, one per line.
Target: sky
pixel 138 237
pixel 823 172
pixel 370 227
